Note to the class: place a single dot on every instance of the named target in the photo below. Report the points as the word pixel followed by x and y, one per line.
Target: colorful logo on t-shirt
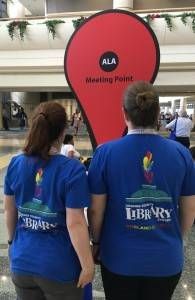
pixel 147 165
pixel 38 180
pixel 148 209
pixel 36 215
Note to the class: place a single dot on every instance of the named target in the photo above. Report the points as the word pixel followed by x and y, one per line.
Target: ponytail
pixel 48 122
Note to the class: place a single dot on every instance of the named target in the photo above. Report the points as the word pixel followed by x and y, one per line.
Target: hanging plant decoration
pixel 193 21
pixel 169 19
pixel 51 26
pixel 148 19
pixel 184 18
pixel 169 22
pixel 78 22
pixel 11 28
pixel 22 28
pixel 17 25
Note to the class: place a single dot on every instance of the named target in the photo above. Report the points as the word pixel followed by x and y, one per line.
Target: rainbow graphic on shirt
pixel 39 176
pixel 38 180
pixel 147 165
pixel 36 214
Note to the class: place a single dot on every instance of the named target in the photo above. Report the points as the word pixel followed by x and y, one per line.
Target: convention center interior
pixel 35 36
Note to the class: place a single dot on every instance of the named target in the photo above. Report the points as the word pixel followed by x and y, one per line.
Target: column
pixel 123 4
pixel 28 100
pixel 15 9
pixel 1 122
pixel 173 106
pixel 183 104
pixel 69 108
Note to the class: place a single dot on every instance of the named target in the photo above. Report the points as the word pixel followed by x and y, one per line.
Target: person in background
pixel 22 118
pixel 45 195
pixel 168 117
pixel 162 121
pixel 76 121
pixel 142 204
pixel 183 128
pixel 5 118
pixel 68 147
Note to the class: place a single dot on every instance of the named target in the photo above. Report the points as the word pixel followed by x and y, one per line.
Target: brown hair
pixel 48 122
pixel 141 103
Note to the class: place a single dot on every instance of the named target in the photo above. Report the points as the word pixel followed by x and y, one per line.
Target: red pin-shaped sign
pixel 109 51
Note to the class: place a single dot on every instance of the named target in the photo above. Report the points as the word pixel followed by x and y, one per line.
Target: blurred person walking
pixel 183 128
pixel 5 118
pixel 76 121
pixel 45 196
pixel 22 118
pixel 68 147
pixel 142 204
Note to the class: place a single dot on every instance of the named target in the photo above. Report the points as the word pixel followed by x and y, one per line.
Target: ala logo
pixel 108 61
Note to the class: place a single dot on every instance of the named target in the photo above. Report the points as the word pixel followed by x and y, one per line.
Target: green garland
pixel 149 19
pixel 78 22
pixel 17 25
pixel 51 26
pixel 169 19
pixel 193 21
pixel 184 18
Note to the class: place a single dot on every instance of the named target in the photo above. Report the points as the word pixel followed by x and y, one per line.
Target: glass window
pixel 61 6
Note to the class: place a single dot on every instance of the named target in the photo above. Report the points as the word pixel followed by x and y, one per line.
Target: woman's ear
pixel 126 117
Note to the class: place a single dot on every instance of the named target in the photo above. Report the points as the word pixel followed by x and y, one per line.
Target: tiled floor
pixel 11 143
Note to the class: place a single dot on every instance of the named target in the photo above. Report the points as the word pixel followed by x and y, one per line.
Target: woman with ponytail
pixel 45 196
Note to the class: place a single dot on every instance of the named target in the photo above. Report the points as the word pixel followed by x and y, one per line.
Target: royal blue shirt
pixel 43 191
pixel 143 176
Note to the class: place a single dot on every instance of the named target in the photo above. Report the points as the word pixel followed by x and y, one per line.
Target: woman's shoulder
pixel 64 160
pixel 17 158
pixel 68 167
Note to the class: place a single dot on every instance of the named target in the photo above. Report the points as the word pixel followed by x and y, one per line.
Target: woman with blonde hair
pixel 45 196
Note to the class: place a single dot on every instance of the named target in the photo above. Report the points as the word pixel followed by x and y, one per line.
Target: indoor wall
pixel 79 5
pixel 156 4
pixel 96 5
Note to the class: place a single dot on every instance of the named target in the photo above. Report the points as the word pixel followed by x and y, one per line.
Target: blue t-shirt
pixel 43 191
pixel 143 176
